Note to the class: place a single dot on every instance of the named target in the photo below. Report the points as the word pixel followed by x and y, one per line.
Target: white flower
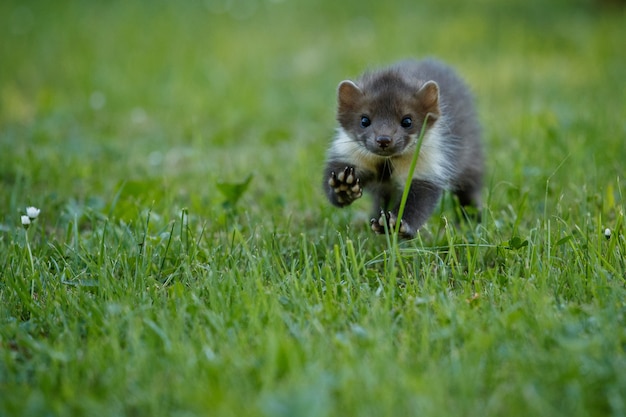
pixel 25 221
pixel 607 233
pixel 32 213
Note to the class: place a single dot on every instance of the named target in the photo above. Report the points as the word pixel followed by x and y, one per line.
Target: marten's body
pixel 380 117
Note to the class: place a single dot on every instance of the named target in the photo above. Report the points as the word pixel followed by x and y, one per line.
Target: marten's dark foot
pixel 391 219
pixel 470 203
pixel 346 185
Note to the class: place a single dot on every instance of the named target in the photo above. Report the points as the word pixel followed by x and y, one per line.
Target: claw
pixel 374 225
pixel 349 175
pixel 391 220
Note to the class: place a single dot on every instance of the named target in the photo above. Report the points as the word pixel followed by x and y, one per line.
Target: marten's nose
pixel 383 141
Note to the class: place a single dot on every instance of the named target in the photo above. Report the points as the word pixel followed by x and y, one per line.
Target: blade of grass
pixel 409 178
pixel 392 241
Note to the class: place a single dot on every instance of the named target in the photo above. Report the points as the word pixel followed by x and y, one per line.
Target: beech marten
pixel 380 118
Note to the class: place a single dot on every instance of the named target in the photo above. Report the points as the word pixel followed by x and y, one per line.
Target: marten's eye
pixel 365 121
pixel 406 122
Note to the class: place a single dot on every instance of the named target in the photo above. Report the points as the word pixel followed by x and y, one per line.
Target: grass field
pixel 186 262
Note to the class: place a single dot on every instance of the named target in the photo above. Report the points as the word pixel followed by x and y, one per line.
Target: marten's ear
pixel 428 97
pixel 348 95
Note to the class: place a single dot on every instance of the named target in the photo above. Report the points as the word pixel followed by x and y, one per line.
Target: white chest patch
pixel 432 165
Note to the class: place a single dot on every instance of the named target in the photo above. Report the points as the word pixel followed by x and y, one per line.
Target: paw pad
pixel 388 220
pixel 346 185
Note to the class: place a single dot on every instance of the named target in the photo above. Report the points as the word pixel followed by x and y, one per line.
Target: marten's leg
pixel 420 204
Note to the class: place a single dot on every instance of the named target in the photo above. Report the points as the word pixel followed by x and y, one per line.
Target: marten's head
pixel 385 113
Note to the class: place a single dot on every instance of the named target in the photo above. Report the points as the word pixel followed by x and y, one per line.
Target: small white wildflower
pixel 25 221
pixel 607 233
pixel 32 213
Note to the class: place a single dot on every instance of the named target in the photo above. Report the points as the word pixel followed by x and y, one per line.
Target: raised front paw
pixel 389 220
pixel 345 185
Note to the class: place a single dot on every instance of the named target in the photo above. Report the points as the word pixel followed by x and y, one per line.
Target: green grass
pixel 164 284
